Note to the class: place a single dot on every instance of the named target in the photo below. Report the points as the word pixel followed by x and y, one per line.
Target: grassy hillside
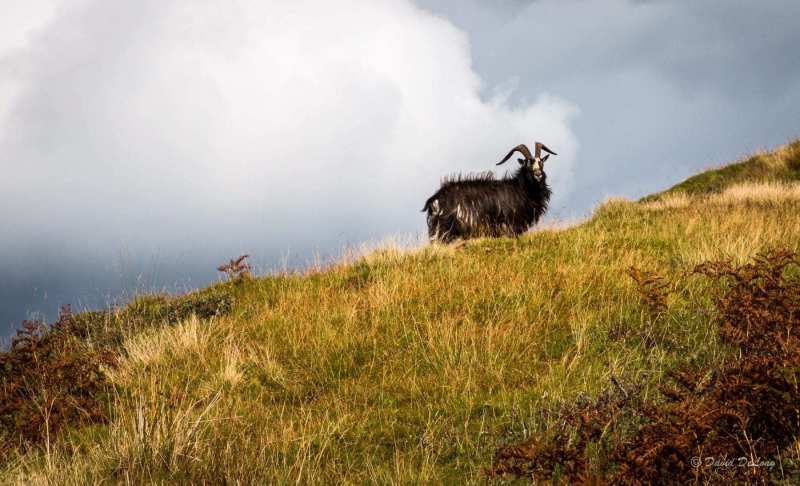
pixel 409 366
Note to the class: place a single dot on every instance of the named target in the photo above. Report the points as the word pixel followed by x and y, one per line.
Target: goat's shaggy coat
pixel 480 205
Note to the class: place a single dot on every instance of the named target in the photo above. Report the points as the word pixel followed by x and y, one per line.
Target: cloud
pixel 193 128
pixel 666 88
pixel 190 114
pixel 20 20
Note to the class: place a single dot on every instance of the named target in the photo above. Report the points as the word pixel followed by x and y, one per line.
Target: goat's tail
pixel 431 203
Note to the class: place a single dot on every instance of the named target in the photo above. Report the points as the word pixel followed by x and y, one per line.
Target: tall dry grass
pixel 414 365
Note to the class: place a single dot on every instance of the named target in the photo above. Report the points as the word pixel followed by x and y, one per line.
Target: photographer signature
pixel 725 462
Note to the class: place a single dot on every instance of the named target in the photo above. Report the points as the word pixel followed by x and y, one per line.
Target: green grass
pixel 781 165
pixel 412 366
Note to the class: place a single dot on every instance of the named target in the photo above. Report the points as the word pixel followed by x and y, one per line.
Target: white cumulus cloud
pixel 249 125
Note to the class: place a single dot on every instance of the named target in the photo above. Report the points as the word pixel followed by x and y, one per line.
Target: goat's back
pixel 480 205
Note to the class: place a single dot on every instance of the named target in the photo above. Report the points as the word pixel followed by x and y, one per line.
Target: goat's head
pixel 533 162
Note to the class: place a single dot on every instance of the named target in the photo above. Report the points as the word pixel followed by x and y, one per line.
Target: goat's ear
pixel 521 161
pixel 544 159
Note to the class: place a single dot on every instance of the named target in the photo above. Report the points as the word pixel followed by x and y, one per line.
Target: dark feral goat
pixel 480 205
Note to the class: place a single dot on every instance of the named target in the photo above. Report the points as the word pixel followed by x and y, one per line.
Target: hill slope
pixel 404 365
pixel 781 165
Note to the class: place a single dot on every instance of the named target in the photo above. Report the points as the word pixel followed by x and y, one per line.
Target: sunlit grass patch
pixel 773 193
pixel 761 193
pixel 155 345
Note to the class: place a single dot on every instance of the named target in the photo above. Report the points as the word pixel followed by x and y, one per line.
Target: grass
pixel 414 366
pixel 779 165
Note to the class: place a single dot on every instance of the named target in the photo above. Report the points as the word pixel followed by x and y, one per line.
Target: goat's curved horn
pixel 539 147
pixel 521 148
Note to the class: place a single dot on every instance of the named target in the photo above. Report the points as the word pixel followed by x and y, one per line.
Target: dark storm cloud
pixel 664 88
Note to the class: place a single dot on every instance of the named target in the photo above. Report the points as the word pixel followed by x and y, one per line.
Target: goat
pixel 480 205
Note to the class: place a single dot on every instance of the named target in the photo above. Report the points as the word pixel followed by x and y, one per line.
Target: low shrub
pixel 726 424
pixel 50 379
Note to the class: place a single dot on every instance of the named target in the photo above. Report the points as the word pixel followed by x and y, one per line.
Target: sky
pixel 144 143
